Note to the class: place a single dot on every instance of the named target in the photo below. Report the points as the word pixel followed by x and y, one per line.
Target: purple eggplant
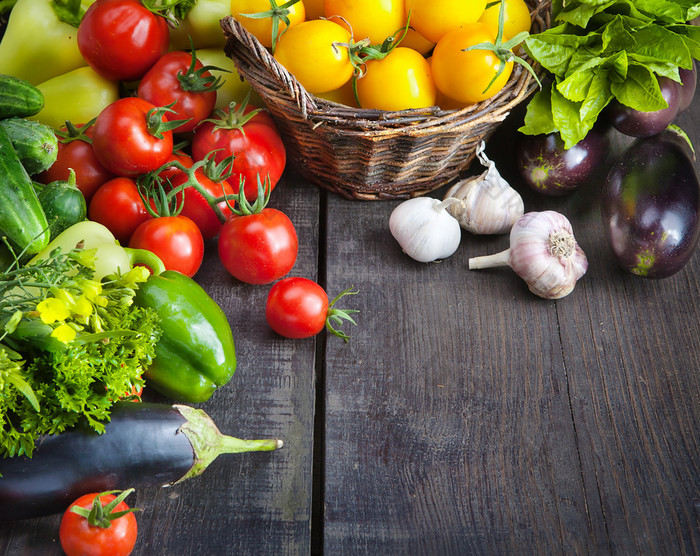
pixel 689 81
pixel 637 123
pixel 549 168
pixel 651 206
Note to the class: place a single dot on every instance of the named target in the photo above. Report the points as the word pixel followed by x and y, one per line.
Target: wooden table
pixel 465 415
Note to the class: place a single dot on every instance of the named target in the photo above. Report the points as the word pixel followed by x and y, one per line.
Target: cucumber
pixel 36 144
pixel 22 220
pixel 63 204
pixel 19 97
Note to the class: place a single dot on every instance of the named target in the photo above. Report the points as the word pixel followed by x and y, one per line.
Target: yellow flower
pixel 52 310
pixel 90 288
pixel 63 333
pixel 135 275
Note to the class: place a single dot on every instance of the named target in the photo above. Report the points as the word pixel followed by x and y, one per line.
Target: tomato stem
pixel 195 81
pixel 277 13
pixel 336 316
pixel 102 516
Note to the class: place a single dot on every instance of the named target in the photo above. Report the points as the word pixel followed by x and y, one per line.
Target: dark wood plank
pixel 496 422
pixel 245 503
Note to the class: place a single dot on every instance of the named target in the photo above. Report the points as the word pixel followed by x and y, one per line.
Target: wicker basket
pixel 372 154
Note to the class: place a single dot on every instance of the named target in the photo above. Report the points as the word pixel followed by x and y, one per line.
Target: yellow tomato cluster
pixel 321 43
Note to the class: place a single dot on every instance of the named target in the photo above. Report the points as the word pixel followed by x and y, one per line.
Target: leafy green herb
pixel 69 346
pixel 600 50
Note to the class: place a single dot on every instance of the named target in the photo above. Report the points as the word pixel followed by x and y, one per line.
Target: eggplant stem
pixel 490 261
pixel 208 442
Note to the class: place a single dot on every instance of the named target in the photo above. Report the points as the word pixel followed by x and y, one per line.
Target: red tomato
pixel 197 208
pixel 78 155
pixel 78 537
pixel 118 206
pixel 296 308
pixel 258 248
pixel 121 39
pixel 124 138
pixel 174 79
pixel 175 239
pixel 171 171
pixel 255 143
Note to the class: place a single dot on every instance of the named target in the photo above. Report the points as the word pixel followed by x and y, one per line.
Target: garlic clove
pixel 490 204
pixel 424 229
pixel 543 252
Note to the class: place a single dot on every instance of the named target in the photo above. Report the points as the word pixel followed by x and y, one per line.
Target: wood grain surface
pixel 464 416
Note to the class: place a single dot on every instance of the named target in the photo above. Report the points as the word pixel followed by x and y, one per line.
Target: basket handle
pixel 252 58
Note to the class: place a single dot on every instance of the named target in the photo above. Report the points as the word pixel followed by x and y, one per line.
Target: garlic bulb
pixel 491 205
pixel 424 229
pixel 543 252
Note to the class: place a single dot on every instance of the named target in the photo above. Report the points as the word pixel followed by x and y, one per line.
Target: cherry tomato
pixel 435 18
pixel 399 81
pixel 169 172
pixel 314 9
pixel 118 206
pixel 516 17
pixel 314 52
pixel 413 39
pixel 465 76
pixel 296 308
pixel 175 79
pixel 196 208
pixel 79 538
pixel 256 145
pixel 121 39
pixel 175 239
pixel 124 138
pixel 373 19
pixel 261 28
pixel 258 248
pixel 78 155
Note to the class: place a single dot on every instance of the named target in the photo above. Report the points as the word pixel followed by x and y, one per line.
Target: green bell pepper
pixel 195 354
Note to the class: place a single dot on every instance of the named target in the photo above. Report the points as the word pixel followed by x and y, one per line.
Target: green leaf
pixel 554 48
pixel 538 116
pixel 68 11
pixel 640 90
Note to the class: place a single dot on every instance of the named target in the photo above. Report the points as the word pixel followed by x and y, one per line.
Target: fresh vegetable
pixel 638 123
pixel 234 88
pixel 516 17
pixel 331 65
pixel 118 205
pixel 543 252
pixel 424 229
pixel 597 52
pixel 489 204
pixel 63 204
pixel 367 19
pixel 37 45
pixel 132 137
pixel 435 18
pixel 99 524
pixel 18 97
pixel 196 353
pixel 144 444
pixel 122 39
pixel 252 138
pixel 179 79
pixel 266 20
pixel 175 239
pixel 75 153
pixel 689 81
pixel 404 72
pixel 200 25
pixel 35 144
pixel 22 219
pixel 78 96
pixel 258 244
pixel 71 345
pixel 548 167
pixel 651 206
pixel 297 308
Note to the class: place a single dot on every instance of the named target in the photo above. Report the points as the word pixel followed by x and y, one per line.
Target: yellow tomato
pixel 516 17
pixel 399 81
pixel 465 76
pixel 316 53
pixel 435 18
pixel 373 19
pixel 345 95
pixel 261 28
pixel 314 9
pixel 416 41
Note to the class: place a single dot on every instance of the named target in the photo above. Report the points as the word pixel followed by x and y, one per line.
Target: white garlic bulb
pixel 543 252
pixel 424 229
pixel 491 205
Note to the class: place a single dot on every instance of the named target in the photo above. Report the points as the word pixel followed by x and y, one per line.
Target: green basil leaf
pixel 640 90
pixel 538 116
